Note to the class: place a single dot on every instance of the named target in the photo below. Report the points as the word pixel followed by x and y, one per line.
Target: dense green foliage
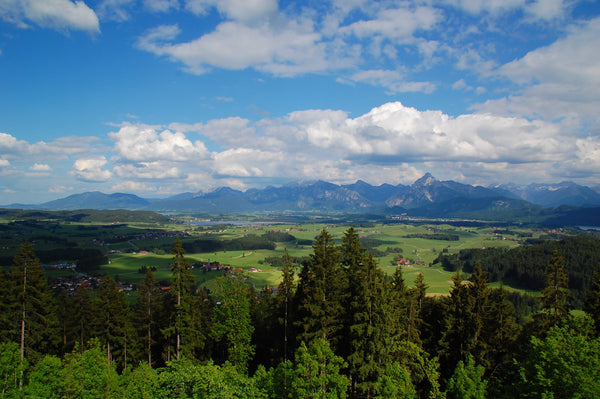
pixel 525 266
pixel 341 329
pixel 249 242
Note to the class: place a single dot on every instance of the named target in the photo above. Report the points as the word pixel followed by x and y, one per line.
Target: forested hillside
pixel 526 266
pixel 336 326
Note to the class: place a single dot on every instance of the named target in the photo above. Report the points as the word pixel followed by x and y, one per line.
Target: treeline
pixel 85 215
pixel 525 266
pixel 336 326
pixel 435 236
pixel 88 259
pixel 249 242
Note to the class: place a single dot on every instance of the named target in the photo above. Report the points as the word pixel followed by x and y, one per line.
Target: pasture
pixel 412 243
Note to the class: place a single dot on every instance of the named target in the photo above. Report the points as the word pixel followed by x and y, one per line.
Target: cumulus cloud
pixel 56 14
pixel 246 162
pixel 145 143
pixel 147 170
pixel 90 169
pixel 286 49
pixel 559 80
pixel 4 163
pixel 11 147
pixel 397 23
pixel 40 167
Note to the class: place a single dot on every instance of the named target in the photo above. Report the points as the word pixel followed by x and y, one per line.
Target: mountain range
pixel 427 197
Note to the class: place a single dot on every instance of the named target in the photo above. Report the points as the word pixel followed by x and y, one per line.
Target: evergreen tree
pixel 555 295
pixel 146 312
pixel 113 321
pixel 459 339
pixel 181 287
pixel 285 296
pixel 591 305
pixel 233 321
pixel 368 325
pixel 321 292
pixel 501 331
pixel 34 307
pixel 414 307
pixel 479 292
pixel 266 335
pixel 8 325
pixel 83 321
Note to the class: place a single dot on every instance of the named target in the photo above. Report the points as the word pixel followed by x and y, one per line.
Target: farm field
pixel 414 241
pixel 132 246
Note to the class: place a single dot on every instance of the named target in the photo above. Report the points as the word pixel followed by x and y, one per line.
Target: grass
pixel 417 248
pixel 126 265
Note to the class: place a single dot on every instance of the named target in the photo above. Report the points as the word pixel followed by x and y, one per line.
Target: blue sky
pixel 159 97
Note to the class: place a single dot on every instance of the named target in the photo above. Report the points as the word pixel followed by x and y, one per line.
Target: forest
pixel 336 327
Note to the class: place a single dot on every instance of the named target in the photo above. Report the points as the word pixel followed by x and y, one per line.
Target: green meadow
pixel 414 241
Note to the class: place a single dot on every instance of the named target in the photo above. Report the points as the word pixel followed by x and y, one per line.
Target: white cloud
pixel 58 189
pixel 546 9
pixel 558 81
pixel 229 132
pixel 242 10
pixel 287 49
pixel 147 170
pixel 116 10
pixel 394 81
pixel 56 14
pixel 488 6
pixel 161 5
pixel 145 143
pixel 245 162
pixel 129 186
pixel 398 23
pixel 62 147
pixel 90 169
pixel 4 163
pixel 40 167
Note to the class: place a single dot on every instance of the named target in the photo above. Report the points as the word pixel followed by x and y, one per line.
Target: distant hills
pixel 426 197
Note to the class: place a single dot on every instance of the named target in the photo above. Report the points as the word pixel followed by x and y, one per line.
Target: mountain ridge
pixel 427 196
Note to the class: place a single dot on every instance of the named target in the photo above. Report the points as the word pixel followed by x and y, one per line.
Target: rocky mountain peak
pixel 426 180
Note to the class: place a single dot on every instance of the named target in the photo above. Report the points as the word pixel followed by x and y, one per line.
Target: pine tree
pixel 233 322
pixel 7 303
pixel 35 310
pixel 414 306
pixel 83 322
pixel 367 315
pixel 459 338
pixel 321 292
pixel 146 313
pixel 591 305
pixel 113 321
pixel 555 295
pixel 181 286
pixel 479 292
pixel 285 296
pixel 501 332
